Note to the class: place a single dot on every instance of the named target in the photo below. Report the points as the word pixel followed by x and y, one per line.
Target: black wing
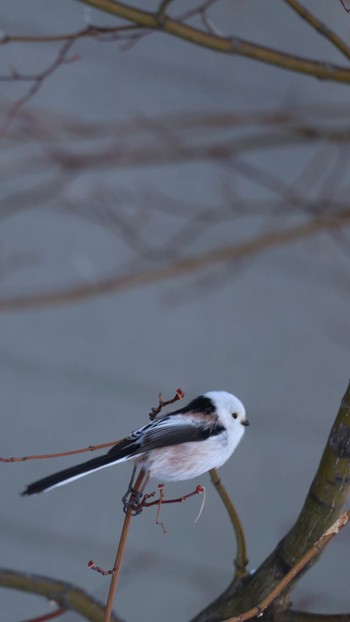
pixel 173 429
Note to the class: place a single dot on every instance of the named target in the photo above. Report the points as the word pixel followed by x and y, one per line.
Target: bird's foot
pixel 132 500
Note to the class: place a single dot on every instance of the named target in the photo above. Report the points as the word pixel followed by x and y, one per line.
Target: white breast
pixel 189 460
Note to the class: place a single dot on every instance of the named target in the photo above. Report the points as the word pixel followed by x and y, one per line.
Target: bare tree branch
pixel 210 37
pixel 89 32
pixel 181 267
pixel 37 82
pixel 315 550
pixel 325 499
pixel 241 560
pixel 320 27
pixel 227 45
pixel 64 594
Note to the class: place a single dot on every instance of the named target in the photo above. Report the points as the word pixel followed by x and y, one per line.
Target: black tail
pixel 117 454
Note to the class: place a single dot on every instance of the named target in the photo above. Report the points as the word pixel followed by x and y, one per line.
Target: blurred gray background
pixel 272 328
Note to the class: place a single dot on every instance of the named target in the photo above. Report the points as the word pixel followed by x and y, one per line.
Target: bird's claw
pixel 132 501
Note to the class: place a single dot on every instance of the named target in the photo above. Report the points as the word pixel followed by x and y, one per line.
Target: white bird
pixel 177 446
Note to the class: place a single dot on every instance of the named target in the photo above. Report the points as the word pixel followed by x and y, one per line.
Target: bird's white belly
pixel 188 460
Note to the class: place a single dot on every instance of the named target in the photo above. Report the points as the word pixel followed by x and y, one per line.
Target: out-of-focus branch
pixel 215 150
pixel 37 81
pixel 181 267
pixel 304 117
pixel 152 146
pixel 64 594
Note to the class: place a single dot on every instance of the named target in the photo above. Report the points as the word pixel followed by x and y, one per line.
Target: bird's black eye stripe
pixel 234 415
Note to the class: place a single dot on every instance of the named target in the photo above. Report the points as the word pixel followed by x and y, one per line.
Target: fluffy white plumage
pixel 191 459
pixel 180 445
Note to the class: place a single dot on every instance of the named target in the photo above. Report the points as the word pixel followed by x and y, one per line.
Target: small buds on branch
pixel 145 503
pixel 92 566
pixel 162 501
pixel 179 395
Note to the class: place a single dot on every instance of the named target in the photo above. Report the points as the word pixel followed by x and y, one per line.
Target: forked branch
pixel 183 266
pixel 315 550
pixel 146 21
pixel 322 508
pixel 232 45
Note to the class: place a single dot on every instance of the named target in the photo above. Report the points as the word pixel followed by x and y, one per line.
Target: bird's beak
pixel 245 422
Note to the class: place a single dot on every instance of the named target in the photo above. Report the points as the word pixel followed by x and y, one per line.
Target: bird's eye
pixel 234 415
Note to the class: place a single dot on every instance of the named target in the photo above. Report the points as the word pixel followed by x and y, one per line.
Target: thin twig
pixel 179 395
pixel 197 10
pixel 241 560
pixel 90 31
pixel 344 7
pixel 226 45
pixel 162 501
pixel 120 551
pixel 209 39
pixel 162 9
pixel 62 453
pixel 199 490
pixel 38 81
pixel 259 609
pixel 48 616
pixel 321 28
